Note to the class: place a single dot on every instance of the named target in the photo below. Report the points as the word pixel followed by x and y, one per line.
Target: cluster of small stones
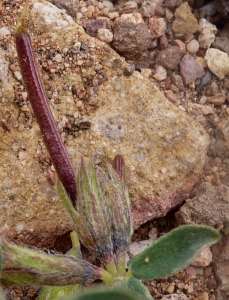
pixel 178 48
pixel 186 58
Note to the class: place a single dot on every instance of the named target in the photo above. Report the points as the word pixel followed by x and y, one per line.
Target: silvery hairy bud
pixel 119 203
pixel 93 215
pixel 26 266
pixel 102 213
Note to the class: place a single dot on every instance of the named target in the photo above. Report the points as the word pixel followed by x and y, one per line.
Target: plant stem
pixel 75 244
pixel 42 111
pixel 120 262
pixel 106 277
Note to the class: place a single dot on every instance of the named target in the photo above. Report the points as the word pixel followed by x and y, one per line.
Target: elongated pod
pixel 41 109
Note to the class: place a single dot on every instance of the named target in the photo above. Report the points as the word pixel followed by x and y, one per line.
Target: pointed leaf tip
pixel 20 27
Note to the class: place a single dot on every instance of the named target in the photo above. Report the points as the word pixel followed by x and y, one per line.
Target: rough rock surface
pixel 221 43
pixel 92 27
pixel 222 139
pixel 218 62
pixel 209 207
pixel 157 27
pixel 206 37
pixel 204 258
pixel 217 99
pixel 175 297
pixel 170 57
pixel 164 149
pixel 172 3
pixel 221 267
pixel 223 7
pixel 131 35
pixel 185 21
pixel 71 6
pixel 190 69
pixel 148 7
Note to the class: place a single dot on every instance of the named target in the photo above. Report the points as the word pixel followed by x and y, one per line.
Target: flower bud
pixel 26 266
pixel 94 218
pixel 102 213
pixel 119 205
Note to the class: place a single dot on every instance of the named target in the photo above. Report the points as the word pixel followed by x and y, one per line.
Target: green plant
pixel 102 220
pixel 106 232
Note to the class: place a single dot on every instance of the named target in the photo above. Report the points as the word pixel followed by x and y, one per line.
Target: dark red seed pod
pixel 42 111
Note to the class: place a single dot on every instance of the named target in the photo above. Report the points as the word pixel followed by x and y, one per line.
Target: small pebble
pixel 129 70
pixel 170 289
pixel 22 155
pixel 4 31
pixel 193 46
pixel 91 8
pixel 17 75
pixel 160 73
pixel 24 95
pixel 105 35
pixel 108 4
pixel 83 10
pixel 113 15
pixel 146 73
pixel 203 99
pixel 58 58
pixel 163 170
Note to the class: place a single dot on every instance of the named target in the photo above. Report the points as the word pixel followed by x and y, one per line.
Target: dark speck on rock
pixel 129 70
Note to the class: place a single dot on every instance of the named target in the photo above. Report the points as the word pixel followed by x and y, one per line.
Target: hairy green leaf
pixel 135 286
pixel 26 266
pixel 1 295
pixel 58 292
pixel 172 252
pixel 105 295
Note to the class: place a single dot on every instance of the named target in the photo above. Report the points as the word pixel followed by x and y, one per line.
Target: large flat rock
pixel 164 149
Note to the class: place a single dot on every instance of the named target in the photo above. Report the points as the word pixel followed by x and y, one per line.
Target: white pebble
pixel 20 226
pixel 22 155
pixel 163 170
pixel 203 100
pixel 4 31
pixel 79 16
pixel 218 62
pixel 100 5
pixel 105 35
pixel 160 73
pixel 58 58
pixel 83 10
pixel 24 95
pixel 108 4
pixel 105 11
pixel 193 46
pixel 205 24
pixel 17 75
